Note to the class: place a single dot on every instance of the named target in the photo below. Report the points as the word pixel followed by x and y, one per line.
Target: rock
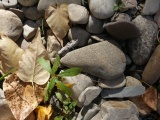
pixel 133 88
pixel 18 12
pixel 117 110
pixel 32 13
pixel 10 24
pixel 151 71
pixel 129 4
pixel 151 7
pixel 78 14
pixel 29 29
pixel 5 111
pixel 102 9
pixel 9 3
pixel 44 4
pixel 89 94
pixel 120 16
pixel 77 33
pixel 24 45
pixel 123 30
pixel 104 60
pixel 87 112
pixel 111 84
pixel 157 18
pixel 158 107
pixel 94 25
pixel 53 46
pixel 1 5
pixel 28 3
pixel 140 48
pixel 81 82
pixel 128 59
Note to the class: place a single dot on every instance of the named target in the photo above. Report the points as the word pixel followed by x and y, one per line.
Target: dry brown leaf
pixel 58 20
pixel 21 97
pixel 29 68
pixel 44 112
pixel 150 98
pixel 10 54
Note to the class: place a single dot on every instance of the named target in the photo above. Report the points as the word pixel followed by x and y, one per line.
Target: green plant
pixel 119 6
pixel 57 80
pixel 5 75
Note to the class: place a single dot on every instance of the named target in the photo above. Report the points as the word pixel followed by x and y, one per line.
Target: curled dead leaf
pixel 58 20
pixel 29 68
pixel 150 97
pixel 10 54
pixel 22 99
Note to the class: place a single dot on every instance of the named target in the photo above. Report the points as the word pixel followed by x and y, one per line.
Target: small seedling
pixel 56 81
pixel 119 5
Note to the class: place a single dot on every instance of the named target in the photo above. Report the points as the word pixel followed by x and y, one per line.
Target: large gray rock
pixel 87 112
pixel 89 94
pixel 140 48
pixel 133 88
pixel 77 33
pixel 102 9
pixel 103 59
pixel 123 30
pixel 151 71
pixel 28 2
pixel 117 110
pixel 5 112
pixel 43 4
pixel 151 7
pixel 10 24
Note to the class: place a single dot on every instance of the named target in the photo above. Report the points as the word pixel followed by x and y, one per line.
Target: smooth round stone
pixel 157 18
pixel 28 3
pixel 10 24
pixel 77 33
pixel 120 16
pixel 140 49
pixel 111 84
pixel 78 14
pixel 94 25
pixel 151 7
pixel 32 13
pixel 102 9
pixel 9 3
pixel 1 5
pixel 129 4
pixel 151 71
pixel 18 12
pixel 123 30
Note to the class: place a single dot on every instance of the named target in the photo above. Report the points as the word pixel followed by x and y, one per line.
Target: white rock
pixel 78 14
pixel 1 5
pixel 9 3
pixel 29 29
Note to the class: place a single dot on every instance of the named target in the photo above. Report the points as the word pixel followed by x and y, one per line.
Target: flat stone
pixel 44 4
pixel 94 25
pixel 5 111
pixel 78 14
pixel 32 13
pixel 151 71
pixel 9 3
pixel 141 48
pixel 77 33
pixel 133 88
pixel 111 84
pixel 81 82
pixel 28 3
pixel 1 5
pixel 89 94
pixel 102 9
pixel 117 110
pixel 18 12
pixel 10 24
pixel 104 60
pixel 29 29
pixel 123 30
pixel 151 7
pixel 87 112
pixel 157 18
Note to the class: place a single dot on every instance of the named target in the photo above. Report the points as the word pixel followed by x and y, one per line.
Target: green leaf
pixel 59 96
pixel 70 72
pixel 45 64
pixel 46 95
pixel 67 101
pixel 55 65
pixel 115 7
pixel 72 105
pixel 63 87
pixel 121 6
pixel 5 75
pixel 58 118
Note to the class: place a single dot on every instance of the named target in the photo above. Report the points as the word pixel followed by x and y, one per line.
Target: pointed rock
pixel 103 59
